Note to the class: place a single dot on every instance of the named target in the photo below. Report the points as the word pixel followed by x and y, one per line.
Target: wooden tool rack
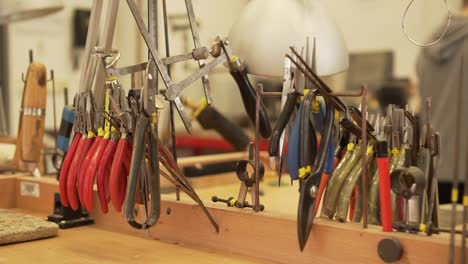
pixel 264 235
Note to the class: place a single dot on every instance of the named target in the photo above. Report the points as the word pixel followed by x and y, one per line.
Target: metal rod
pixel 257 147
pixel 316 81
pixel 52 78
pixel 465 216
pixel 65 95
pixel 363 154
pixel 271 94
pixel 171 104
pixel 3 123
pixel 465 188
pixel 454 195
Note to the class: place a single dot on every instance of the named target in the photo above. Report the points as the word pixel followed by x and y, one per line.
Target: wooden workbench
pixel 269 235
pixel 93 245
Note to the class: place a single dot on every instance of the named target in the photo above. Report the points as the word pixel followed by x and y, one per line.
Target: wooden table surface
pixel 93 245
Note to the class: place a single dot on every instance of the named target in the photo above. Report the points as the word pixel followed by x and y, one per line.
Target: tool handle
pixel 67 160
pixel 384 186
pixel 135 169
pixel 293 146
pixel 211 118
pixel 249 98
pixel 281 123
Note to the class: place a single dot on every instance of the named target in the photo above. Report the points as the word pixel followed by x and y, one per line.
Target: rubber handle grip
pixel 384 191
pixel 331 159
pixel 66 126
pixel 210 118
pixel 72 181
pixel 293 147
pixel 84 166
pixel 104 175
pixel 91 173
pixel 249 98
pixel 283 119
pixel 66 167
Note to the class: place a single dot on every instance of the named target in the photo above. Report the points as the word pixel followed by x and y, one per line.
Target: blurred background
pixel 379 53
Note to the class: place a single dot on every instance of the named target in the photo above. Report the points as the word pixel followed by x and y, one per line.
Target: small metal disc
pixel 390 250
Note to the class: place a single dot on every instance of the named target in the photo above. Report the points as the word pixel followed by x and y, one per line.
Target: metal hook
pixel 449 20
pixel 52 77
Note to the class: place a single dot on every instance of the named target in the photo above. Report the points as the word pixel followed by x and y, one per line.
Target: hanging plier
pixel 143 140
pixel 310 181
pixel 291 81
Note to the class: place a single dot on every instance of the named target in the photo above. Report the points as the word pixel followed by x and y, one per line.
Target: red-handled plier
pixel 91 169
pixel 103 173
pixel 64 170
pixel 83 147
pixel 119 172
pixel 383 165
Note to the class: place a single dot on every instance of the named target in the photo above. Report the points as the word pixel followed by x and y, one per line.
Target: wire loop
pixel 449 20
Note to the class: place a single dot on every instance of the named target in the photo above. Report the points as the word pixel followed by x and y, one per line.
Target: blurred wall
pixel 366 25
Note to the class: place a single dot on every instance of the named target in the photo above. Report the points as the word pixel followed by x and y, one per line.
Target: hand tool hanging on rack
pixel 197 43
pixel 310 180
pixel 210 118
pixel 110 156
pixel 288 104
pixel 222 53
pixel 383 166
pixel 393 128
pixel 344 168
pixel 348 186
pixel 73 156
pixel 428 151
pixel 142 168
pixel 106 144
pixel 127 112
pixel 334 154
pixel 86 140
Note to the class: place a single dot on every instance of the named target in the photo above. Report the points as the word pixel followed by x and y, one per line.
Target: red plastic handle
pixel 352 202
pixel 385 197
pixel 323 184
pixel 66 168
pixel 104 175
pixel 83 147
pixel 88 156
pixel 118 175
pixel 91 173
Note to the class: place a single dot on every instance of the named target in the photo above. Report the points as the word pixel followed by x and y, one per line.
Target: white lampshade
pixel 17 10
pixel 267 28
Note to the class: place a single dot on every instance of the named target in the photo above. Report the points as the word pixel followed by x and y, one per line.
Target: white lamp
pixel 267 28
pixel 17 10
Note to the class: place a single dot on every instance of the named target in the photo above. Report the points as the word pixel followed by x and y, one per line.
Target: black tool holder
pixel 65 217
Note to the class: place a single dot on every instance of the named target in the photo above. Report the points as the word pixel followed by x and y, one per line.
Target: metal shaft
pixel 465 217
pixel 91 41
pixel 52 78
pixel 454 195
pixel 257 148
pixel 107 38
pixel 363 155
pixel 197 43
pixel 171 104
pixel 3 123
